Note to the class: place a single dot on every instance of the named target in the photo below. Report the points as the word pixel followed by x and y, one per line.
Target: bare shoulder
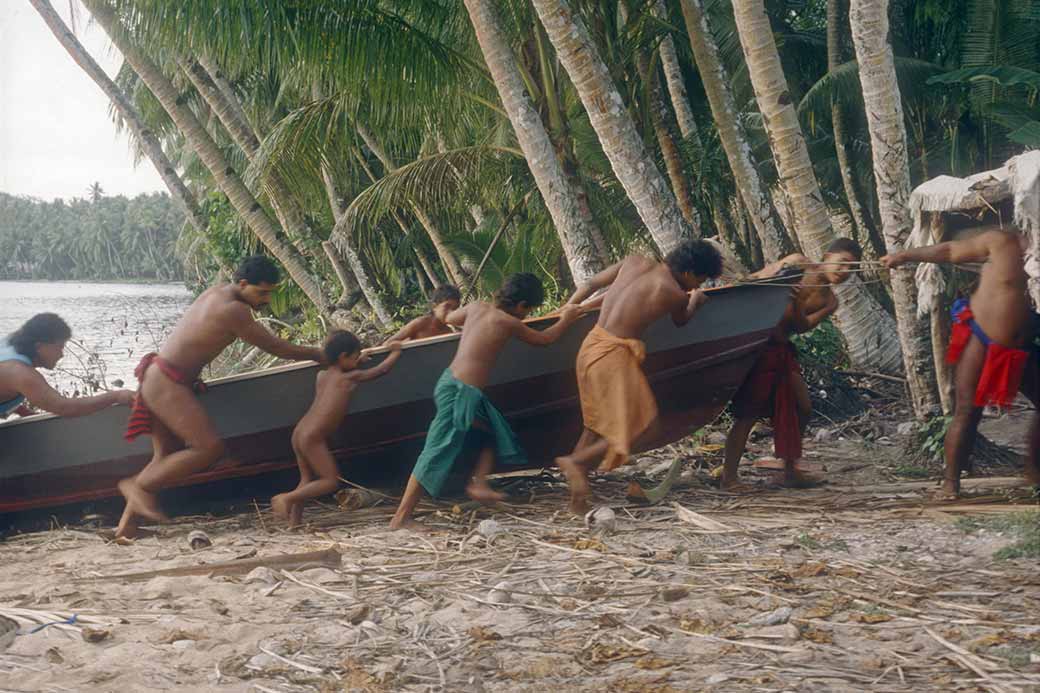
pixel 1000 240
pixel 637 262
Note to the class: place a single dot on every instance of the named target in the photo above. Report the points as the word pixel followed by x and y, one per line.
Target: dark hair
pixel 845 245
pixel 522 287
pixel 443 293
pixel 341 342
pixel 45 328
pixel 697 257
pixel 258 269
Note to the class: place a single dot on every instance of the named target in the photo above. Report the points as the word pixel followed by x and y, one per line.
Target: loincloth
pixel 769 391
pixel 1003 368
pixel 616 400
pixel 140 422
pixel 451 432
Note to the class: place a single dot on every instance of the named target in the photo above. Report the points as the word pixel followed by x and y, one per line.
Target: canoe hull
pixel 694 372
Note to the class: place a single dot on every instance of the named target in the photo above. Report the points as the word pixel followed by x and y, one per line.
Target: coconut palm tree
pixel 577 233
pixel 869 332
pixel 632 165
pixel 877 74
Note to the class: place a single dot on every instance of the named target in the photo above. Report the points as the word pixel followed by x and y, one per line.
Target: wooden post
pixel 940 323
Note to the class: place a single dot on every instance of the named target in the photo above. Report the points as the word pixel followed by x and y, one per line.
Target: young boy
pixel 444 300
pixel 775 387
pixel 319 475
pixel 464 415
pixel 617 406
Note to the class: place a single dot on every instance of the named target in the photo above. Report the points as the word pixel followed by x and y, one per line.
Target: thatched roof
pixel 1017 182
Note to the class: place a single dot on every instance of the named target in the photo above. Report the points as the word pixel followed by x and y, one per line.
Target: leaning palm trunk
pixel 673 77
pixel 632 165
pixel 148 141
pixel 872 342
pixel 576 235
pixel 877 75
pixel 774 240
pixel 199 140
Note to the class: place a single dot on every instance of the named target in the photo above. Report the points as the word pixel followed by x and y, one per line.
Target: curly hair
pixel 519 288
pixel 845 245
pixel 44 328
pixel 697 257
pixel 340 342
pixel 258 269
pixel 445 292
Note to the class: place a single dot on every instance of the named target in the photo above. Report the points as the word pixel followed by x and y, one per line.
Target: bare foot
pixel 296 516
pixel 127 527
pixel 951 490
pixel 736 486
pixel 578 481
pixel 280 506
pixel 482 493
pixel 140 502
pixel 407 523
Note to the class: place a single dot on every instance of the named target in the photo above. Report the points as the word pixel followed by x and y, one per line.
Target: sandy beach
pixel 864 583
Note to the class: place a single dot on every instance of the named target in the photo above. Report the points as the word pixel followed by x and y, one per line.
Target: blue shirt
pixel 7 353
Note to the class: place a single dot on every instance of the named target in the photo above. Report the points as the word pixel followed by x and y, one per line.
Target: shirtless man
pixel 617 406
pixel 443 301
pixel 465 417
pixel 184 440
pixel 319 474
pixel 989 342
pixel 775 386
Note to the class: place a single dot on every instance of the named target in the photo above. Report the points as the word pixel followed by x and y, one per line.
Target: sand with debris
pixel 861 584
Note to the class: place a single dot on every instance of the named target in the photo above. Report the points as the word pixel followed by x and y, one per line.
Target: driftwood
pixel 329 558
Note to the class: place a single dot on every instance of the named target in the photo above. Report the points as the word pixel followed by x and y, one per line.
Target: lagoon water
pixel 113 325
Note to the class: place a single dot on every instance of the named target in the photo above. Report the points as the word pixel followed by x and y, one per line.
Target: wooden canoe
pixel 47 461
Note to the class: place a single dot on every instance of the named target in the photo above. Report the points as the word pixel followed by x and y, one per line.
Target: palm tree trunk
pixel 869 332
pixel 774 240
pixel 576 234
pixel 877 75
pixel 228 91
pixel 632 165
pixel 448 259
pixel 195 134
pixel 834 59
pixel 149 142
pixel 674 78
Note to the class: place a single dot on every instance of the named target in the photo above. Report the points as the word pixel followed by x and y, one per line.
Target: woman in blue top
pixel 40 343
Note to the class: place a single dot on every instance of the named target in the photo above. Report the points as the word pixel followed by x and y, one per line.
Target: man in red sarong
pixel 775 387
pixel 990 342
pixel 184 440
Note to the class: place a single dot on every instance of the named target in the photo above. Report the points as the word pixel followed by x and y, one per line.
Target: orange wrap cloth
pixel 616 401
pixel 771 382
pixel 140 423
pixel 1003 368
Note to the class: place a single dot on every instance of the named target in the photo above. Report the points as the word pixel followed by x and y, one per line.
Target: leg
pixel 960 438
pixel 1031 389
pixel 792 477
pixel 589 450
pixel 478 488
pixel 164 443
pixel 413 493
pixel 317 456
pixel 736 444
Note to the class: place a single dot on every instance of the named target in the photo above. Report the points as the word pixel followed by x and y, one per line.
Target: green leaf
pixel 1004 75
pixel 1028 134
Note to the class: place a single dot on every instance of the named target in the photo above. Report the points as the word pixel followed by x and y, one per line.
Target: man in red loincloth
pixel 184 440
pixel 990 342
pixel 775 387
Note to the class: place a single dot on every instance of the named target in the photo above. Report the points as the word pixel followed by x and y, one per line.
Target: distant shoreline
pixel 142 281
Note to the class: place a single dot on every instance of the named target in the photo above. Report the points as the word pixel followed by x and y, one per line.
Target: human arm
pixel 804 322
pixel 407 332
pixel 362 375
pixel 686 305
pixel 598 281
pixel 774 268
pixel 457 317
pixel 33 386
pixel 567 315
pixel 249 330
pixel 975 249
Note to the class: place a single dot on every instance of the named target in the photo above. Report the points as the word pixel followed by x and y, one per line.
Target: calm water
pixel 113 325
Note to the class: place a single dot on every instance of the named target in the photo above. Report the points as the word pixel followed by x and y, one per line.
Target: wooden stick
pixel 329 558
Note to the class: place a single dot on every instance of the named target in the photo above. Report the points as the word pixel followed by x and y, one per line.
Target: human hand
pixel 124 396
pixel 570 312
pixel 697 298
pixel 394 346
pixel 892 260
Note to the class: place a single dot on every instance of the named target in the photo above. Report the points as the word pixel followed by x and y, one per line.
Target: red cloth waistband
pixel 1003 369
pixel 140 422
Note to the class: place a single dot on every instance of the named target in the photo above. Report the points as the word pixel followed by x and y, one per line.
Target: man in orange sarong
pixel 991 342
pixel 775 388
pixel 617 405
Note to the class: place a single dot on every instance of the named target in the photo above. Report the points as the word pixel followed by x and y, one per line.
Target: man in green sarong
pixel 465 418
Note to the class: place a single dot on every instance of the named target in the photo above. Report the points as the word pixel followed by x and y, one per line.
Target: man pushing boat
pixel 465 418
pixel 617 406
pixel 775 386
pixel 184 440
pixel 989 342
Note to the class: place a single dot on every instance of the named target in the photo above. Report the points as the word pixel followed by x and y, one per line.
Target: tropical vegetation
pixel 378 148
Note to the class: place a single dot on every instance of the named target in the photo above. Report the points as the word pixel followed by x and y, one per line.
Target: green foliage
pixel 822 347
pixel 1022 527
pixel 97 238
pixel 931 437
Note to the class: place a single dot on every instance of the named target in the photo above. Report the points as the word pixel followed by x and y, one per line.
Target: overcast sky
pixel 56 137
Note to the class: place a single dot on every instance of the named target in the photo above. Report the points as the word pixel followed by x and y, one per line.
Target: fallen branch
pixel 329 558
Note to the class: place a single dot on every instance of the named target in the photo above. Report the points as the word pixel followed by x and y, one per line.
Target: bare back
pixel 643 292
pixel 1001 303
pixel 485 334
